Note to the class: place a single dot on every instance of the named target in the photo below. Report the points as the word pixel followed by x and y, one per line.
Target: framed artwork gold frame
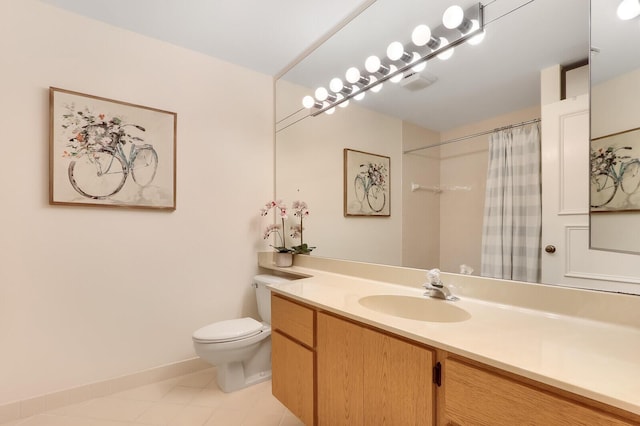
pixel 109 153
pixel 367 184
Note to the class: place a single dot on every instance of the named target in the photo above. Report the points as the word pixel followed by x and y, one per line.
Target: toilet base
pixel 233 376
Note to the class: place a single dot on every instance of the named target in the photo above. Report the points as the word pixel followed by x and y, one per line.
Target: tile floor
pixel 191 400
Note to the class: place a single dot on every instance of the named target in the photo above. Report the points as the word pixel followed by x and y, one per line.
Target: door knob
pixel 550 249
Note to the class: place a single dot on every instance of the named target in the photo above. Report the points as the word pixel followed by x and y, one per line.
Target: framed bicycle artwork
pixel 615 172
pixel 366 184
pixel 104 152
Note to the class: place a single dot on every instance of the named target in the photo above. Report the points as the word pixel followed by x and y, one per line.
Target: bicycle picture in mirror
pixel 615 172
pixel 366 184
pixel 110 153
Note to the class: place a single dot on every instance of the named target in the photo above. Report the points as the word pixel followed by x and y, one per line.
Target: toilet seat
pixel 228 331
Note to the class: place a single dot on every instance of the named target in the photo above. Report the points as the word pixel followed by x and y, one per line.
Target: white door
pixel 566 257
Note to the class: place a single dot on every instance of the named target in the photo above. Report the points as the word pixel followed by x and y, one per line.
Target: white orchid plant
pixel 300 211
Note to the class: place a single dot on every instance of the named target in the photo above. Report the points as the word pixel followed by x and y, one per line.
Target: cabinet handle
pixel 437 374
pixel 550 249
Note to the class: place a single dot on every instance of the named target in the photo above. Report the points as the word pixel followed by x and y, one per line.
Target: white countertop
pixel 595 359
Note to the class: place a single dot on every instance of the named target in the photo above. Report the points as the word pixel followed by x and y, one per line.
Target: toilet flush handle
pixel 254 285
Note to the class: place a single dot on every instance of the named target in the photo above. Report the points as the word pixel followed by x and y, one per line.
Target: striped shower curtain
pixel 512 211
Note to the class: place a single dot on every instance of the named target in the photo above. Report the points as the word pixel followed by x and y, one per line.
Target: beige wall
pixel 615 105
pixel 88 294
pixel 420 208
pixel 309 159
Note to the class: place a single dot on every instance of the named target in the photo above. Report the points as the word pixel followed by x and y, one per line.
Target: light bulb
pixel 476 39
pixel 628 9
pixel 330 110
pixel 321 94
pixel 376 88
pixel 419 67
pixel 336 85
pixel 453 17
pixel 343 104
pixel 372 64
pixel 421 35
pixel 360 93
pixel 353 75
pixel 396 78
pixel 395 51
pixel 446 54
pixel 308 102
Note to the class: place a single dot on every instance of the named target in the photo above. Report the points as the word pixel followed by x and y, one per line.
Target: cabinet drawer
pixel 292 319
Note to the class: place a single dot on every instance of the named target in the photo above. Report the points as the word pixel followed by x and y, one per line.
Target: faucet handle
pixel 428 285
pixel 433 275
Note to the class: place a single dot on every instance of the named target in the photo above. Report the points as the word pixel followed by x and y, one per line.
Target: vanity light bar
pixel 458 26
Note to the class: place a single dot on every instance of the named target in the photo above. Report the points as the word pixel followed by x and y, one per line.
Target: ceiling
pixel 498 76
pixel 265 36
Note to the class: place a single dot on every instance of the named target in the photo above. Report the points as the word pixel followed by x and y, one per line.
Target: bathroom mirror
pixel 615 129
pixel 480 88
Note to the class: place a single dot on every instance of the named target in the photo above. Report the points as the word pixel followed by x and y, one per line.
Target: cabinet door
pixel 474 396
pixel 398 387
pixel 366 377
pixel 292 376
pixel 340 372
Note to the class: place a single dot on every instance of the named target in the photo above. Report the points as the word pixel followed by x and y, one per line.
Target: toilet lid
pixel 229 330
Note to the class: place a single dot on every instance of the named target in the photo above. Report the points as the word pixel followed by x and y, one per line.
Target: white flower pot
pixel 283 260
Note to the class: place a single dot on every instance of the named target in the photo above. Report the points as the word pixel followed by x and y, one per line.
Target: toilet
pixel 240 348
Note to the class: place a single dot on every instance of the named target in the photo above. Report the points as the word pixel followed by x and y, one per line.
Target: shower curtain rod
pixel 475 135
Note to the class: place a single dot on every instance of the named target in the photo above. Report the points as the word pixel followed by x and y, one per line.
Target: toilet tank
pixel 263 294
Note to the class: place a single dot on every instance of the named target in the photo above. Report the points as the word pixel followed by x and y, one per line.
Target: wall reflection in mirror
pixel 437 190
pixel 615 125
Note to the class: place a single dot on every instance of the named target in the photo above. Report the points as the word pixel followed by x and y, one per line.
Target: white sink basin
pixel 415 308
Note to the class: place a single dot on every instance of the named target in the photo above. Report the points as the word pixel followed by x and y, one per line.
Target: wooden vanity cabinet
pixel 366 377
pixel 293 357
pixel 331 371
pixel 478 395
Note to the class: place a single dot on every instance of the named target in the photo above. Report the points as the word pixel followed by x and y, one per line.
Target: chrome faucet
pixel 436 288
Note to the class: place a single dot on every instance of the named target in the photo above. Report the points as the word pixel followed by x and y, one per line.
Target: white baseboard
pixel 32 406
